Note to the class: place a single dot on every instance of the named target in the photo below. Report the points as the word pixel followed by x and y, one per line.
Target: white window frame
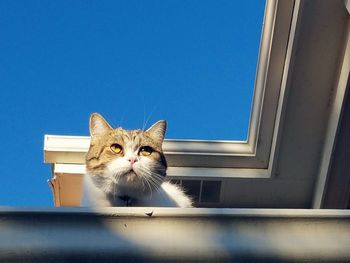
pixel 252 158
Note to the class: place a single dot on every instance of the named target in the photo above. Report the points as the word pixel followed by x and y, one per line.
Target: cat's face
pixel 126 162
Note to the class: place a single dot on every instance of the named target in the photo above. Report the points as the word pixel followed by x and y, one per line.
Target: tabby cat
pixel 128 168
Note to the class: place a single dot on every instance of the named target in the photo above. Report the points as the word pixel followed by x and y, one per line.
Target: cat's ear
pixel 157 131
pixel 98 125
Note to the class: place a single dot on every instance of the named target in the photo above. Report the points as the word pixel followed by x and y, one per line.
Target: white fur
pixel 168 195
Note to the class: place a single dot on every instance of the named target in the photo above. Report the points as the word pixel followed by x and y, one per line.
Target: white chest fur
pixel 167 195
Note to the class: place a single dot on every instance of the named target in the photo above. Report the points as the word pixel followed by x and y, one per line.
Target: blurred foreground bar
pixel 173 235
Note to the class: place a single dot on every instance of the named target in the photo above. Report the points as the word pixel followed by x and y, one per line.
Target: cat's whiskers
pixel 150 187
pixel 143 184
pixel 151 173
pixel 151 178
pixel 157 182
pixel 148 184
pixel 158 177
pixel 114 191
pixel 143 173
pixel 149 116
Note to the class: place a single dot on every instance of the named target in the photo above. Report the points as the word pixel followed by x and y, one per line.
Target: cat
pixel 128 168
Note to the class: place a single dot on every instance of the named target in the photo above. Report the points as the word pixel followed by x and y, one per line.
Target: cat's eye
pixel 146 150
pixel 116 148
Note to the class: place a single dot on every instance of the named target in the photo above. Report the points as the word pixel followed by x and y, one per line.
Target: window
pixel 240 154
pixel 279 163
pixel 199 158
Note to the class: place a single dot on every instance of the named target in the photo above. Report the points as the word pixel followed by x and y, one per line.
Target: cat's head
pixel 126 162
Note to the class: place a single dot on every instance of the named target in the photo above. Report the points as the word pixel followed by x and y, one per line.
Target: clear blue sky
pixel 190 62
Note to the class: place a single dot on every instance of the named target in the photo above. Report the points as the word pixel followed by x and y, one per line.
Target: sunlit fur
pixel 113 177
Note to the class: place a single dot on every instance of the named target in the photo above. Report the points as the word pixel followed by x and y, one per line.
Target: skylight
pixel 192 63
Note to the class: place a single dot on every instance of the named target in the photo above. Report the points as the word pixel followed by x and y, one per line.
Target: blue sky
pixel 190 62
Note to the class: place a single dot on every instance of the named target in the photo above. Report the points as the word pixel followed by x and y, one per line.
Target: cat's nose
pixel 132 160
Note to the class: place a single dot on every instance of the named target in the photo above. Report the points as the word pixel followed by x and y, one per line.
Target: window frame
pixel 221 158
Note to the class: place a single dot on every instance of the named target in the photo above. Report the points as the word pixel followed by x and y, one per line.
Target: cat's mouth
pixel 131 171
pixel 130 176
